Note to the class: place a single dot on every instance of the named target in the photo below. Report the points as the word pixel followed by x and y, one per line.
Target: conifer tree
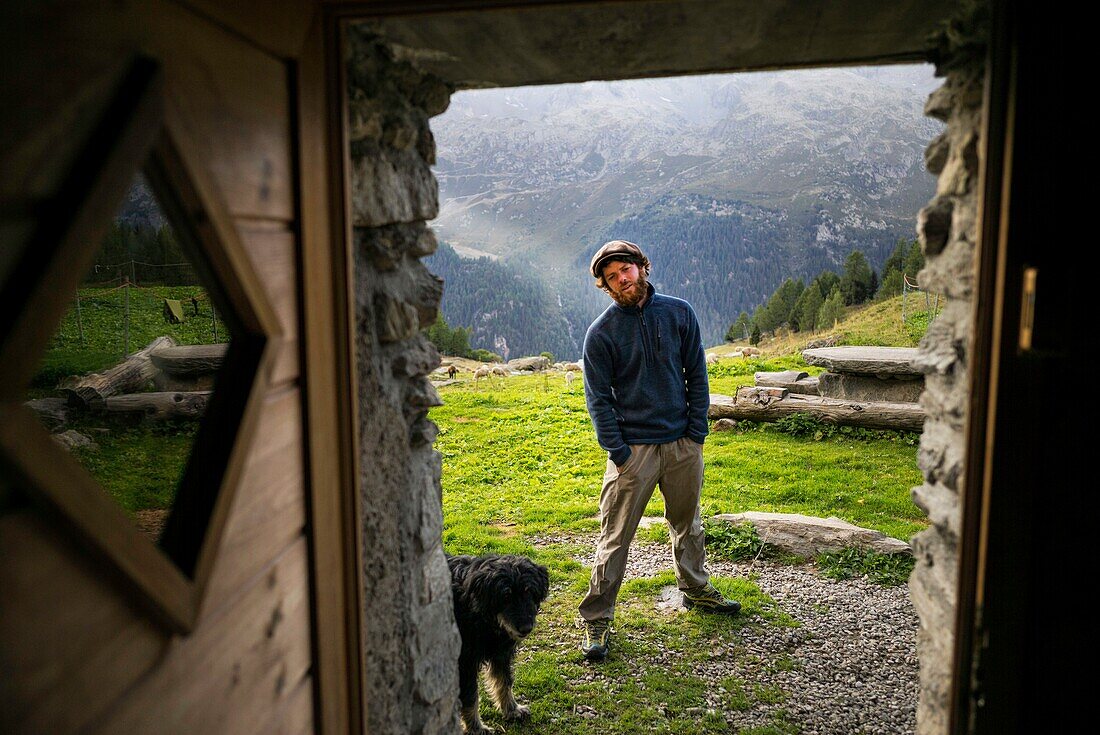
pixel 914 261
pixel 831 310
pixel 755 338
pixel 856 283
pixel 739 329
pixel 810 304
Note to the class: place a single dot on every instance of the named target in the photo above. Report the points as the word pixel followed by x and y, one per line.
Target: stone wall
pixel 410 637
pixel 948 229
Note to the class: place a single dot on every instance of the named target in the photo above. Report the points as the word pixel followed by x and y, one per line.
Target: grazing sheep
pixel 483 372
pixel 452 371
pixel 569 378
pixel 501 371
pixel 712 359
pixel 573 366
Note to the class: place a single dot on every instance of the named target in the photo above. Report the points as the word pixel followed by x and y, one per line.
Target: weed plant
pixel 888 570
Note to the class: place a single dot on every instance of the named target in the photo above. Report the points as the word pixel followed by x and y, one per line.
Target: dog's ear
pixel 543 577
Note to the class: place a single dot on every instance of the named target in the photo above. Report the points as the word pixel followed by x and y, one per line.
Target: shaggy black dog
pixel 496 600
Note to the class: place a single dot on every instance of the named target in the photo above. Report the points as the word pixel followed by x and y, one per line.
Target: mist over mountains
pixel 730 183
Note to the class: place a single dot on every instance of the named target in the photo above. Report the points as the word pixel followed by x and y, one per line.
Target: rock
pixel 809 536
pixel 870 388
pixel 724 425
pixel 860 360
pixel 669 600
pixel 533 364
pixel 823 342
pixel 392 186
pixel 53 413
pixel 73 439
pixel 934 225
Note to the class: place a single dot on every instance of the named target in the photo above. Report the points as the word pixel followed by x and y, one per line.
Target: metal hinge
pixel 1027 308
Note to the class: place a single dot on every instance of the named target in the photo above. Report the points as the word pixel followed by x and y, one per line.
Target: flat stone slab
pixel 670 600
pixel 795 381
pixel 882 388
pixel 809 536
pixel 890 361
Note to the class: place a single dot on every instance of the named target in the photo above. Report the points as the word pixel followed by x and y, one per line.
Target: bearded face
pixel 626 283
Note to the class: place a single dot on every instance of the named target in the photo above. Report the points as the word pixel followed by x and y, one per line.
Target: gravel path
pixel 849 668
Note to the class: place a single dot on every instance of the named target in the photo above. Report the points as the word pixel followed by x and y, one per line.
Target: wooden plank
pixel 269 510
pixel 295 717
pixel 233 98
pixel 329 383
pixel 236 667
pixel 55 480
pixel 274 256
pixel 282 32
pixel 69 643
pixel 750 404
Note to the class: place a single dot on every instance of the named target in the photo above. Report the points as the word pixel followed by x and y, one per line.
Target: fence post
pixel 126 329
pixel 79 319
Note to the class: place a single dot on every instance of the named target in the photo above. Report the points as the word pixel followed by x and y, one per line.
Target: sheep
pixel 573 366
pixel 483 372
pixel 712 359
pixel 500 370
pixel 452 371
pixel 569 378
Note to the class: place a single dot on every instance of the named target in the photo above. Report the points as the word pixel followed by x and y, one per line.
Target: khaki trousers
pixel 677 467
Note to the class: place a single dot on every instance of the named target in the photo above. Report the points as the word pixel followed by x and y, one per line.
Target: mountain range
pixel 731 183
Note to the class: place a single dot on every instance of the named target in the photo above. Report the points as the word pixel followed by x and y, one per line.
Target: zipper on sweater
pixel 645 340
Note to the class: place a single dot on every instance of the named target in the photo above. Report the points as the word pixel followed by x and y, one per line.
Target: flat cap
pixel 609 251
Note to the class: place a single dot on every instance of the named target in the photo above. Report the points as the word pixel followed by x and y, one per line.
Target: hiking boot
pixel 597 639
pixel 708 599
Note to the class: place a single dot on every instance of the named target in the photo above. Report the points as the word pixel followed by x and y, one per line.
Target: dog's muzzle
pixel 515 633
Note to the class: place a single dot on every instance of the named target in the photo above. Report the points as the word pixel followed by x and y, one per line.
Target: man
pixel 645 382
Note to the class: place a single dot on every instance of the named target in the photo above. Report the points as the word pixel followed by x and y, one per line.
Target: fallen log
pixel 159 406
pixel 190 361
pixel 795 381
pixel 130 375
pixel 755 404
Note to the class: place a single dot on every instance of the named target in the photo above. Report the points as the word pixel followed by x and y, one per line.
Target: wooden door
pixel 100 629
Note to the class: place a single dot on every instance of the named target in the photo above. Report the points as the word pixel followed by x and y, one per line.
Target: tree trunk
pixel 160 406
pixel 190 361
pixel 755 404
pixel 131 374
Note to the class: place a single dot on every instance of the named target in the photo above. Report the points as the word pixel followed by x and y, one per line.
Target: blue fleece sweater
pixel 645 375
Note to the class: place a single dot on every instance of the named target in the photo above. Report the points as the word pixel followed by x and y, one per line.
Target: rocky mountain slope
pixel 731 182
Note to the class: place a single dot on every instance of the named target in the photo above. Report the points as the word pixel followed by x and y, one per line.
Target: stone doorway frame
pixel 995 303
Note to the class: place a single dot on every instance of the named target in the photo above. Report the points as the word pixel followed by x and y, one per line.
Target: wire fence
pixel 129 312
pixel 913 297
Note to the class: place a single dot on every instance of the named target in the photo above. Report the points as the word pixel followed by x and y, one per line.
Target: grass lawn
pixel 521 461
pixel 139 466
